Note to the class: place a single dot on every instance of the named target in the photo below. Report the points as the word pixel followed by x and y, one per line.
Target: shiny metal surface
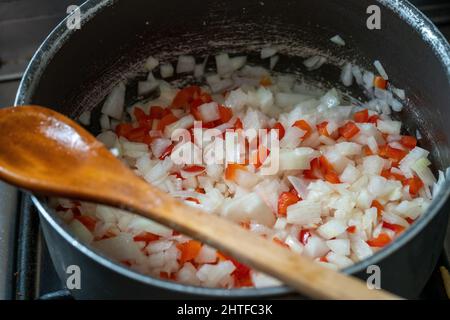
pixel 411 252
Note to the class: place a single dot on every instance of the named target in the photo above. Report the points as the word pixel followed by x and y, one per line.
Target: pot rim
pixel 56 39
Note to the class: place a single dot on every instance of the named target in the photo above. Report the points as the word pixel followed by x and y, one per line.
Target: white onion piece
pixel 332 228
pixel 297 159
pixel 286 100
pixel 115 102
pixel 412 157
pixel 268 52
pixel 209 112
pixel 273 61
pixel 108 138
pixel 337 39
pixel 185 64
pixel 105 124
pixel 146 87
pixel 166 70
pixel 304 212
pixel 389 126
pixel 292 138
pixel 339 246
pixel 357 73
pixel 151 63
pixel 300 185
pixel 347 75
pixel 183 123
pixel 223 64
pixel 238 62
pixel 381 70
pixel 249 207
pixel 85 118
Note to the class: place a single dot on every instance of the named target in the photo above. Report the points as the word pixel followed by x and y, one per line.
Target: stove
pixel 26 271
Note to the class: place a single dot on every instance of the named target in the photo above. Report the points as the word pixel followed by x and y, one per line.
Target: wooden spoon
pixel 49 154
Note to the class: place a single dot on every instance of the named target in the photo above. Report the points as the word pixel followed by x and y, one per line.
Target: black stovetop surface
pixel 29 273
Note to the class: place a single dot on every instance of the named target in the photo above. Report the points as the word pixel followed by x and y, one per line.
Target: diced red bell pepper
pixel 285 200
pixel 225 114
pixel 167 152
pixel 388 152
pixel 241 275
pixel 409 142
pixel 185 96
pixel 380 83
pixel 388 174
pixel 281 131
pixel 231 170
pixel 238 125
pixel 139 134
pixel 303 236
pixel 361 116
pixel 379 206
pixel 189 250
pixel 373 119
pixel 322 129
pixel 332 177
pixel 315 172
pixel 382 240
pixel 88 221
pixel 303 125
pixel 367 151
pixel 351 229
pixel 194 168
pixel 415 184
pixel 156 112
pixel 265 81
pixel 394 227
pixel 123 129
pixel 349 130
pixel 193 200
pixel 146 237
pixel 166 120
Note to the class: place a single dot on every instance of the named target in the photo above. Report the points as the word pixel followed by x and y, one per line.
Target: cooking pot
pixel 74 69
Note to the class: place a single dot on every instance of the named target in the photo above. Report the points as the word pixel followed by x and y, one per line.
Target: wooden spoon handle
pixel 296 271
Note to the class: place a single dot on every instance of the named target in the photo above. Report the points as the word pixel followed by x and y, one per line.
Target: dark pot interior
pixel 74 70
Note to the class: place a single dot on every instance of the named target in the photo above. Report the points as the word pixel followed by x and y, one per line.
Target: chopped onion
pixel 297 159
pixel 185 64
pixel 315 62
pixel 268 52
pixel 381 70
pixel 411 158
pixel 300 185
pixel 339 246
pixel 223 64
pixel 115 102
pixel 347 75
pixel 249 207
pixel 105 124
pixel 108 138
pixel 421 167
pixel 85 118
pixel 151 63
pixel 337 39
pixel 332 229
pixel 209 112
pixel 166 70
pixel 273 61
pixel 146 87
pixel 304 212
